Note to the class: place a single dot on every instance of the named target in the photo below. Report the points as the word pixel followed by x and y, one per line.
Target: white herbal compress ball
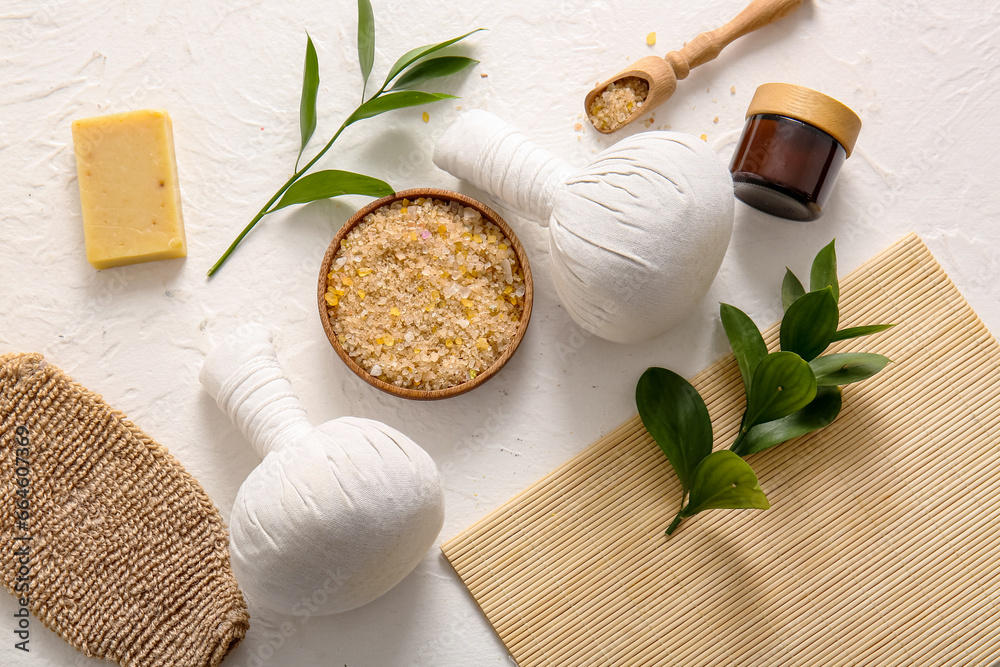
pixel 335 515
pixel 636 236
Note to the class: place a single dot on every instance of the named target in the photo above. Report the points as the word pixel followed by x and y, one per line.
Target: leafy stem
pixel 676 522
pixel 737 445
pixel 789 393
pixel 409 70
pixel 271 202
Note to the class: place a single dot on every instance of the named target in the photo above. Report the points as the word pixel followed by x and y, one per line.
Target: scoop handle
pixel 485 151
pixel 243 375
pixel 708 45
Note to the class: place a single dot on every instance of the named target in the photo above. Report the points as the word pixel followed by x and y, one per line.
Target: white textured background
pixel 923 74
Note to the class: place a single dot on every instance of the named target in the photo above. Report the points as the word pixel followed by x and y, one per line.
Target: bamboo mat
pixel 882 547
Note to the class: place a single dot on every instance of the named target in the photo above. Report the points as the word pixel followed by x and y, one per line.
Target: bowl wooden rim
pixel 431 394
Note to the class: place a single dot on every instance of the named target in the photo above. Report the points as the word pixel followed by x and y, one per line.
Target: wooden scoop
pixel 662 73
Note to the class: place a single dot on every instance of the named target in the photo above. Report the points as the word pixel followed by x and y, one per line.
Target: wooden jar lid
pixel 809 106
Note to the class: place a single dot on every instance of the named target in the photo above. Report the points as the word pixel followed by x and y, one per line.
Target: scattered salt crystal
pixel 519 292
pixel 508 274
pixel 425 234
pixel 451 289
pixel 409 336
pixel 376 370
pixel 464 323
pixel 464 291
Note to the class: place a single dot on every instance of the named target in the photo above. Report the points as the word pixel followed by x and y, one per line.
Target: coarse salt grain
pixel 462 278
pixel 616 103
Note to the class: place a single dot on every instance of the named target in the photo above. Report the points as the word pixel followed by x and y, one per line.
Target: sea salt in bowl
pixel 425 294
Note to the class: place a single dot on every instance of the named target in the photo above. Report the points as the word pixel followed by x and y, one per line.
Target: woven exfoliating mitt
pixel 129 559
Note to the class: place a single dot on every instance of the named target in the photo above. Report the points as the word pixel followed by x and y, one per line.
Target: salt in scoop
pixel 661 74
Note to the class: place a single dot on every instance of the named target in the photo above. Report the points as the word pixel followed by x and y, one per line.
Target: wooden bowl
pixel 430 394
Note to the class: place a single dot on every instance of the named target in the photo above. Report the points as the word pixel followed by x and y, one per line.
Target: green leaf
pixel 837 369
pixel 724 481
pixel 366 39
pixel 824 271
pixel 745 339
pixel 391 101
pixel 819 413
pixel 856 332
pixel 332 183
pixel 675 415
pixel 791 289
pixel 416 54
pixel 307 105
pixel 810 324
pixel 782 384
pixel 432 69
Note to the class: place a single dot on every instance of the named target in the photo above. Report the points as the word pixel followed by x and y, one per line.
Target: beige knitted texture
pixel 129 557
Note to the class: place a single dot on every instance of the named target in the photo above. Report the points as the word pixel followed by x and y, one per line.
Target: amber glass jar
pixel 793 145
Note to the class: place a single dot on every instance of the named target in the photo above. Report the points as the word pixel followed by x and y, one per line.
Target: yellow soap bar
pixel 128 188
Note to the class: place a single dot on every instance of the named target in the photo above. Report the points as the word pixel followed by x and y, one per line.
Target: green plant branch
pixel 267 207
pixel 741 435
pixel 738 442
pixel 291 181
pixel 419 69
pixel 676 522
pixel 789 393
pixel 677 519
